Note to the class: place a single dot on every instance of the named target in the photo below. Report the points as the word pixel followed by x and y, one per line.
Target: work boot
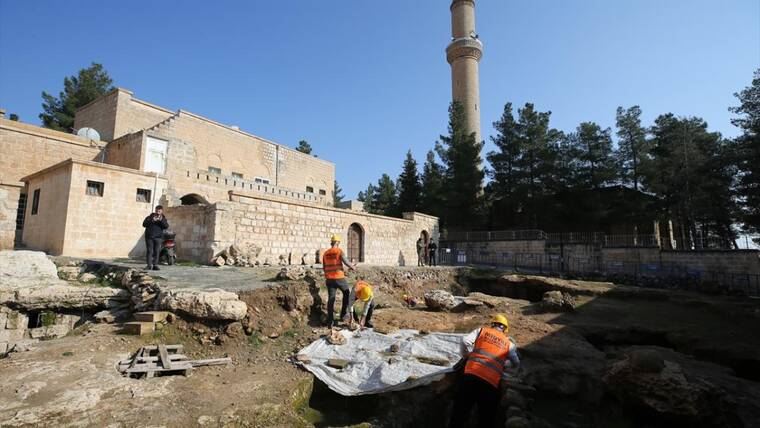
pixel 149 267
pixel 330 324
pixel 155 267
pixel 368 325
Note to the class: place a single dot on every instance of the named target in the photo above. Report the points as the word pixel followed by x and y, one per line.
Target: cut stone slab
pixel 138 328
pixel 53 331
pixel 213 303
pixel 337 363
pixel 152 316
pixel 26 268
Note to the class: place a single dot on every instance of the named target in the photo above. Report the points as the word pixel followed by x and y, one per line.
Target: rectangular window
pixel 143 195
pixel 20 212
pixel 94 188
pixel 261 180
pixel 214 170
pixel 322 192
pixel 309 189
pixel 237 175
pixel 35 201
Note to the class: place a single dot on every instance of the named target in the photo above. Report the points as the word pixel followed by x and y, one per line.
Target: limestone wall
pixel 126 151
pixel 71 222
pixel 45 230
pixel 119 113
pixel 196 143
pixel 25 149
pixel 8 206
pixel 282 229
pixel 292 230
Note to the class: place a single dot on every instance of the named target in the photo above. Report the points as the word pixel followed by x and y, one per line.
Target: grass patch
pixel 47 319
pixel 187 263
pixel 255 340
pixel 290 334
pixel 68 354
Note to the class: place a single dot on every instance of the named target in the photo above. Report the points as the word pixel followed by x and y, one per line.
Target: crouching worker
pixel 488 352
pixel 360 312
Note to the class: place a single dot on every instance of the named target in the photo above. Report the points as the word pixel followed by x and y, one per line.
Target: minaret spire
pixel 464 53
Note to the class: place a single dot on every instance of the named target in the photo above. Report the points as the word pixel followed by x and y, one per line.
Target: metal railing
pixel 658 275
pixel 589 238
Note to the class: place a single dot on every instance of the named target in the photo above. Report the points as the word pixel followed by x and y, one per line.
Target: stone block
pixel 3 347
pixel 16 320
pixel 51 332
pixel 11 335
pixel 152 316
pixel 3 320
pixel 138 328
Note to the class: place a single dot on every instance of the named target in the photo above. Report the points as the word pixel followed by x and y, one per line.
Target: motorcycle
pixel 168 253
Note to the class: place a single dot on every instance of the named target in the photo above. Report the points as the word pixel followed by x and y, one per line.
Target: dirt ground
pixel 580 368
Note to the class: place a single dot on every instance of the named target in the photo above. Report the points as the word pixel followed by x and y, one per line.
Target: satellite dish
pixel 90 133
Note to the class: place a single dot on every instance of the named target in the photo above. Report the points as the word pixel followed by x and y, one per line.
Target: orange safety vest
pixel 332 263
pixel 488 356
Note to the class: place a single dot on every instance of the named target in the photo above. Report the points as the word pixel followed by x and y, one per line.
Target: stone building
pixel 70 195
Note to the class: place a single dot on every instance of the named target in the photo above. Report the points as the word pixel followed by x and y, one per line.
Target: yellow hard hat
pixel 363 291
pixel 500 319
pixel 335 238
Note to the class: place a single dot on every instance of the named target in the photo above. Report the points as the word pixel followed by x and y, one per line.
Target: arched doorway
pixel 193 199
pixel 355 243
pixel 425 236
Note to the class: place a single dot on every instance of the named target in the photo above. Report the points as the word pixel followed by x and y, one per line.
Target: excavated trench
pixel 599 402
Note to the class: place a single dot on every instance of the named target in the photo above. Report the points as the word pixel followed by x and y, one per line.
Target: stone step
pixel 151 316
pixel 138 328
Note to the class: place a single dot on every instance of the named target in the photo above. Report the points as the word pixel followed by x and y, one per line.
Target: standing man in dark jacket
pixel 154 225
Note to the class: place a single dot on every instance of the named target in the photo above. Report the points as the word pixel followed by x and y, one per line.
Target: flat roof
pixel 106 166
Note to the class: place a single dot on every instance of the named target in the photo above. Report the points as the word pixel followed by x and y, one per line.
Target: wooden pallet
pixel 149 361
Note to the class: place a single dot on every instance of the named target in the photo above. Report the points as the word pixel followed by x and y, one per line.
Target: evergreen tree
pixel 524 169
pixel 368 198
pixel 432 186
pixel 632 145
pixel 593 148
pixel 692 176
pixel 385 199
pixel 89 84
pixel 337 194
pixel 463 176
pixel 304 147
pixel 748 153
pixel 410 189
pixel 13 117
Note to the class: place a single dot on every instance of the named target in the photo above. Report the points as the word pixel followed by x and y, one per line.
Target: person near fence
pixel 432 253
pixel 488 352
pixel 335 278
pixel 154 225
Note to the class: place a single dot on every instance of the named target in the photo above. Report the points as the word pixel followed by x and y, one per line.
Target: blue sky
pixel 364 81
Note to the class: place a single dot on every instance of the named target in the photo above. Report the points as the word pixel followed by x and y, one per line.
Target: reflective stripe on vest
pixel 489 355
pixel 332 263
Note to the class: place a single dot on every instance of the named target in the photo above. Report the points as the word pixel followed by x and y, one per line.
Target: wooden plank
pixel 144 368
pixel 211 362
pixel 172 357
pixel 165 361
pixel 134 358
pixel 175 348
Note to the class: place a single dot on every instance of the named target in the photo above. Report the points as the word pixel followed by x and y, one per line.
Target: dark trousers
pixel 474 391
pixel 431 258
pixel 333 285
pixel 153 249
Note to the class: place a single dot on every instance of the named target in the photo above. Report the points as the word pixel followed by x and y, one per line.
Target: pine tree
pixel 410 189
pixel 14 117
pixel 692 176
pixel 748 154
pixel 368 198
pixel 432 186
pixel 633 146
pixel 593 147
pixel 385 199
pixel 90 84
pixel 304 147
pixel 463 176
pixel 337 194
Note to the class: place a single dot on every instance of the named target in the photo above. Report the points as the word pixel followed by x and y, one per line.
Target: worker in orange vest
pixel 335 278
pixel 488 352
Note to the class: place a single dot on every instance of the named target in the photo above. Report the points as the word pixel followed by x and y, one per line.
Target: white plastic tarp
pixel 373 368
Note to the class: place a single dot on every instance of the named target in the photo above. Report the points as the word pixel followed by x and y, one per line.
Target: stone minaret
pixel 464 53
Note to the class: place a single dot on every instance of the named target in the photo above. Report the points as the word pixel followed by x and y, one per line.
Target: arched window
pixel 355 243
